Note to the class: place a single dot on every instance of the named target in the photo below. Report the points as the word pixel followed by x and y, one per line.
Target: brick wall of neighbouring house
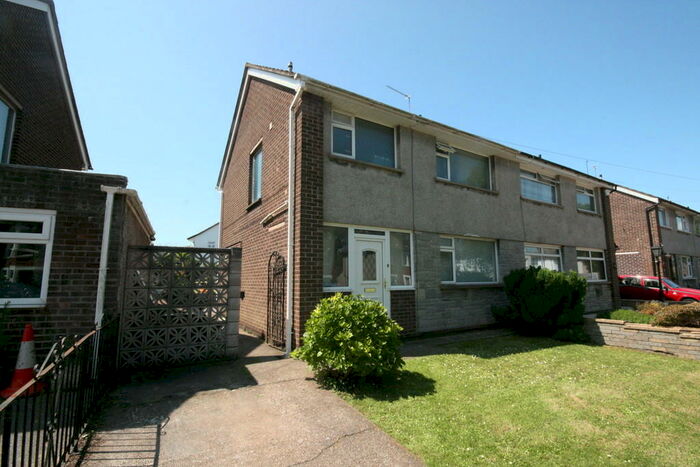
pixel 631 234
pixel 30 73
pixel 308 241
pixel 264 119
pixel 79 204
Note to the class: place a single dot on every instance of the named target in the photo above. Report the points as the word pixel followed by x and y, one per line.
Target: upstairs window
pixel 547 257
pixel 26 237
pixel 463 167
pixel 362 140
pixel 697 226
pixel 682 223
pixel 585 199
pixel 663 219
pixel 591 264
pixel 7 117
pixel 538 187
pixel 256 161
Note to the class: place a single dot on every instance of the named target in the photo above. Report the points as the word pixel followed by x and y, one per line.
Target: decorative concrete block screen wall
pixel 682 342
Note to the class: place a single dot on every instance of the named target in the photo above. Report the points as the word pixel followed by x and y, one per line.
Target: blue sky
pixel 617 83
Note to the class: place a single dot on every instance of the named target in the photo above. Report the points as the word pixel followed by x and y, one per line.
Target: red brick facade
pixel 631 233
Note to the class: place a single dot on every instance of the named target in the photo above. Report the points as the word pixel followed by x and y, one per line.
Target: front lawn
pixel 533 401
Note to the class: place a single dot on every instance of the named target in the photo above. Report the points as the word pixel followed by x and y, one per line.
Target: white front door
pixel 370 276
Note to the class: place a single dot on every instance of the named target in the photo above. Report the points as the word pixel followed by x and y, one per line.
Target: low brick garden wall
pixel 681 342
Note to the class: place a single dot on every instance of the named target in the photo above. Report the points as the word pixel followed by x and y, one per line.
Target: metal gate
pixel 276 280
pixel 175 306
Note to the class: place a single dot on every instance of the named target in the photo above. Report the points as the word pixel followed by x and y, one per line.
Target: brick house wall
pixel 30 73
pixel 631 233
pixel 79 204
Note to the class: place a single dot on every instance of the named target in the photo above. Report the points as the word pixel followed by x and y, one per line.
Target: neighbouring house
pixel 54 256
pixel 423 217
pixel 207 238
pixel 642 221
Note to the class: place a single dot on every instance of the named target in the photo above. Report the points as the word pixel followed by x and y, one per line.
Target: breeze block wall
pixel 79 204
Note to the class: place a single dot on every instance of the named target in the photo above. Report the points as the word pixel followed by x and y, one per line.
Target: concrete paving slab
pixel 259 410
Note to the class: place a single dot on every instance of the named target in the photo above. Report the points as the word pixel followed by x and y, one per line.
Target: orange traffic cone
pixel 24 369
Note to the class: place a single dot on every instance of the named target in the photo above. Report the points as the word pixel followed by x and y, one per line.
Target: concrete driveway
pixel 258 410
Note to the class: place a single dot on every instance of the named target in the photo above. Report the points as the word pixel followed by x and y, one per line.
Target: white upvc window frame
pixel 542 246
pixel 696 225
pixel 591 192
pixel 256 178
pixel 447 158
pixel 45 237
pixel 590 258
pixel 662 216
pixel 452 250
pixel 446 151
pixel 7 133
pixel 353 235
pixel 543 180
pixel 353 135
pixel 686 263
pixel 683 223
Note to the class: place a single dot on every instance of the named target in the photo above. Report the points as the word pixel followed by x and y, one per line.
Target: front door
pixel 370 275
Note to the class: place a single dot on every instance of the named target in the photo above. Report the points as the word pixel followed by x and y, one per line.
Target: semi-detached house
pixel 423 217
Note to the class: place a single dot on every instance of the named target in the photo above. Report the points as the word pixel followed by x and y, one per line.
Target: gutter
pixel 291 193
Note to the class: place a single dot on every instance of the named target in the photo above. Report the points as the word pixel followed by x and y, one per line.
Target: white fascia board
pixel 637 194
pixel 288 82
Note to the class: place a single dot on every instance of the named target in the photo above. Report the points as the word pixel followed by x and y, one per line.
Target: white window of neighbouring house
pixel 468 261
pixel 256 162
pixel 6 125
pixel 400 259
pixel 545 256
pixel 335 257
pixel 585 199
pixel 663 218
pixel 682 223
pixel 697 226
pixel 362 140
pixel 463 167
pixel 538 187
pixel 26 238
pixel 687 269
pixel 591 264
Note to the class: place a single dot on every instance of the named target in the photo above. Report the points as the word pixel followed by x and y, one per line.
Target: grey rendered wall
pixel 679 243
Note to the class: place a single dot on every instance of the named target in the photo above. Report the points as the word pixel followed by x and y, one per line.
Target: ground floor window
pixel 591 264
pixel 340 266
pixel 468 261
pixel 544 256
pixel 26 238
pixel 686 266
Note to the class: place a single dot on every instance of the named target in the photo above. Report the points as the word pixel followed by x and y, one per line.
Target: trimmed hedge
pixel 544 303
pixel 678 315
pixel 350 338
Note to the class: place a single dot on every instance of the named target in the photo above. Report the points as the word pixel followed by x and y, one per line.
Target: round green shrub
pixel 350 338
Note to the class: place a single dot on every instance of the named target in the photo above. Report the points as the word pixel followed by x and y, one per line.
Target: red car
pixel 647 288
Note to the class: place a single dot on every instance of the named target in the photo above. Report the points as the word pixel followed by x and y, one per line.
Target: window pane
pixel 335 257
pixel 553 264
pixel 442 167
pixel 583 253
pixel 342 118
pixel 4 120
pixel 596 254
pixel 584 268
pixel 445 241
pixel 550 251
pixel 469 169
pixel 374 143
pixel 475 261
pixel 597 270
pixel 532 249
pixel 369 265
pixel 446 266
pixel 256 176
pixel 538 191
pixel 400 246
pixel 585 202
pixel 342 141
pixel 21 226
pixel 21 270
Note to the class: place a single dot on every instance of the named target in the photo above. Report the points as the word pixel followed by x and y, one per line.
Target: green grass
pixel 536 401
pixel 631 316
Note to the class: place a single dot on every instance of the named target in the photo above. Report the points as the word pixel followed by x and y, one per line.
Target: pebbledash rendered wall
pixel 678 341
pixel 79 204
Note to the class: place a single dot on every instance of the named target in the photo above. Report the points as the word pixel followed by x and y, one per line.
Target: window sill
pixel 683 232
pixel 9 305
pixel 349 161
pixel 665 227
pixel 254 204
pixel 470 286
pixel 588 213
pixel 541 203
pixel 467 187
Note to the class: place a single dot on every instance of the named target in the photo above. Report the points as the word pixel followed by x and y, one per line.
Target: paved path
pixel 258 410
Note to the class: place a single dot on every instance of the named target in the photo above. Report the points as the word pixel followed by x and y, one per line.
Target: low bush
pixel 678 315
pixel 544 303
pixel 631 316
pixel 650 308
pixel 349 339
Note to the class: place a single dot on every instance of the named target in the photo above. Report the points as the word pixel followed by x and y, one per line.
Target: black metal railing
pixel 42 422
